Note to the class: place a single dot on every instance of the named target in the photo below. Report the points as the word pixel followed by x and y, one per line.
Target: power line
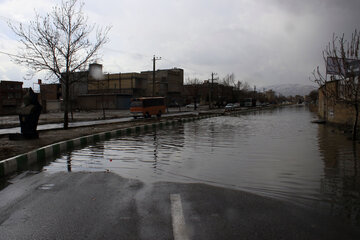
pixel 8 54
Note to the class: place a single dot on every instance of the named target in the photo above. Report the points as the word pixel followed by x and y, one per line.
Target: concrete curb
pixel 24 161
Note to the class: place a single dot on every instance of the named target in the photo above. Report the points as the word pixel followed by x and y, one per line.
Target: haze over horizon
pixel 263 42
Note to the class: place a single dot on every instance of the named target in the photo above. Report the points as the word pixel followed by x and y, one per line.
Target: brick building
pixel 124 83
pixel 332 107
pixel 270 96
pixel 94 90
pixel 50 91
pixel 50 97
pixel 169 83
pixel 11 95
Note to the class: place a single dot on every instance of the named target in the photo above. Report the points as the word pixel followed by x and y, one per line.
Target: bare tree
pixel 229 80
pixel 194 89
pixel 342 61
pixel 243 86
pixel 59 43
pixel 313 96
pixel 243 89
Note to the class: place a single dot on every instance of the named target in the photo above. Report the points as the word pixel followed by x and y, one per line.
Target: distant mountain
pixel 291 89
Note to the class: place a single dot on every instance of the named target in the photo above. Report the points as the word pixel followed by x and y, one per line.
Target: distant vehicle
pixel 147 106
pixel 229 107
pixel 191 105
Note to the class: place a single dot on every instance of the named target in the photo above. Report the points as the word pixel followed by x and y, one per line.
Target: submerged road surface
pixel 105 206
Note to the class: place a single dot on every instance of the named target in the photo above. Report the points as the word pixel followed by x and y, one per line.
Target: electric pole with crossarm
pixel 154 60
pixel 211 90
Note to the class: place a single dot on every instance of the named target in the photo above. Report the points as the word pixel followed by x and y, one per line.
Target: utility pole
pixel 154 60
pixel 211 89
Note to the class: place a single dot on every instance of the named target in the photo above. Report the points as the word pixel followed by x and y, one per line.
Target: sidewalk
pixel 45 118
pixel 13 120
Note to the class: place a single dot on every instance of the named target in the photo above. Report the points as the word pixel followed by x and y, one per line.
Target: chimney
pixel 95 71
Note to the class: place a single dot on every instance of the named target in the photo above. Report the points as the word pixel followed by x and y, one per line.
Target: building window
pixel 11 95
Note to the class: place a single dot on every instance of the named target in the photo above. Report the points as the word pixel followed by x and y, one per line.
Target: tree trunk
pixel 66 102
pixel 356 121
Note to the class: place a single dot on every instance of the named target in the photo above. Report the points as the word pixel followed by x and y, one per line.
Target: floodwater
pixel 275 153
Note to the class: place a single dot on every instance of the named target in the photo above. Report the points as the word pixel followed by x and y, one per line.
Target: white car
pixel 229 106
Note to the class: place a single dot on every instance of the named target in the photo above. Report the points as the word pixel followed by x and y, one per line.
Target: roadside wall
pixel 108 101
pixel 333 109
pixel 53 105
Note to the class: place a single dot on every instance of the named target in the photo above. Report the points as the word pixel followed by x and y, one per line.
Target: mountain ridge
pixel 290 89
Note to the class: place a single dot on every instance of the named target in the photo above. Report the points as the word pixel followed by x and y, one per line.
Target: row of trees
pixel 228 90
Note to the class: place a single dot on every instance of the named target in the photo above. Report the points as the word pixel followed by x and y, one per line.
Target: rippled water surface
pixel 276 153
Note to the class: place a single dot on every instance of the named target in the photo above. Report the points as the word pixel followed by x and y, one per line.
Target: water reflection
pixel 276 153
pixel 156 146
pixel 69 162
pixel 341 182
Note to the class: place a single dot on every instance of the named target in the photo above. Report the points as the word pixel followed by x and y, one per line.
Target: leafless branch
pixel 59 42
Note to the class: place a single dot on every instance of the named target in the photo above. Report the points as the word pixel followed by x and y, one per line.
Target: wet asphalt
pixel 104 205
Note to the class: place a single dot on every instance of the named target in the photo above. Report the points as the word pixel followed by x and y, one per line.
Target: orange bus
pixel 147 106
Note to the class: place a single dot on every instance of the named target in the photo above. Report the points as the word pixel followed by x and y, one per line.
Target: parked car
pixel 229 107
pixel 191 105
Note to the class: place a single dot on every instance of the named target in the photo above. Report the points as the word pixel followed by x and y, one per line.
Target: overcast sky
pixel 263 42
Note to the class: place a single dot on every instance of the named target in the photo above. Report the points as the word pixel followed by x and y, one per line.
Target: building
pixel 270 96
pixel 133 84
pixel 94 89
pixel 50 97
pixel 332 105
pixel 11 96
pixel 169 83
pixel 50 91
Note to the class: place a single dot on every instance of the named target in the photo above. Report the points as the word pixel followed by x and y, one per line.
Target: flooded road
pixel 275 153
